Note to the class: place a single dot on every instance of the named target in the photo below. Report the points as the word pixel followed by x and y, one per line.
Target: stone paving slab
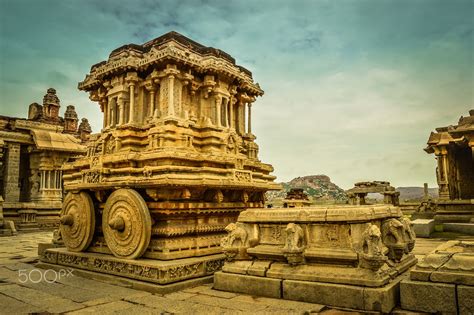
pixel 78 295
pixel 10 305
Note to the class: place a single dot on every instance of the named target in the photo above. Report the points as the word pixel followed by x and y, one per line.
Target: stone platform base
pixel 161 273
pixel 382 299
pixel 464 228
pixel 130 283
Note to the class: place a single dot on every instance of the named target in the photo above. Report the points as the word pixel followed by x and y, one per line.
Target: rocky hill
pixel 318 187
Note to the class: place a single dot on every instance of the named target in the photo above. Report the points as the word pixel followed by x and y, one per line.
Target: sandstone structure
pixel 453 147
pixel 443 281
pixel 345 256
pixel 296 197
pixel 32 152
pixel 175 163
pixel 360 191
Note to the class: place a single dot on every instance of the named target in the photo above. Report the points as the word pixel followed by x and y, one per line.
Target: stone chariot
pixel 175 163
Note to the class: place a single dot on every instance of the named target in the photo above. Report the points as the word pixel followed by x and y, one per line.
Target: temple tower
pixel 51 105
pixel 70 120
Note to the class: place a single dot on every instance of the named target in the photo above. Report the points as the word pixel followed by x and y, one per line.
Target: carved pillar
pixel 443 174
pixel 106 114
pixel 218 110
pixel 249 118
pixel 121 111
pixel 231 113
pixel 171 95
pixel 243 118
pixel 227 112
pixel 132 103
pixel 111 115
pixel 152 102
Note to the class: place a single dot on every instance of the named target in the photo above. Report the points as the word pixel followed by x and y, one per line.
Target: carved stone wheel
pixel 126 224
pixel 77 221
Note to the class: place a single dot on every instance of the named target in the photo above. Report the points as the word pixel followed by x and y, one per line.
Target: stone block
pixel 383 299
pixel 237 266
pixel 423 227
pixel 259 268
pixel 465 299
pixel 248 284
pixel 324 293
pixel 428 297
pixel 464 228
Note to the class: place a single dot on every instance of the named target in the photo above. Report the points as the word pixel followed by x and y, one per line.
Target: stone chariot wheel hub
pixel 126 224
pixel 77 221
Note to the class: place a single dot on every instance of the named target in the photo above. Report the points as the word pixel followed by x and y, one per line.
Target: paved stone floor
pixel 26 289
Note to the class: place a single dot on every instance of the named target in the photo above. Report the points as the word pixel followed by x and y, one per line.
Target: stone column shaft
pixel 242 121
pixel 218 111
pixel 106 114
pixel 121 110
pixel 249 118
pixel 112 106
pixel 132 103
pixel 152 103
pixel 231 114
pixel 171 95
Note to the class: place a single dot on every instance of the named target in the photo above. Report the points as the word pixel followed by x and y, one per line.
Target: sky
pixel 352 88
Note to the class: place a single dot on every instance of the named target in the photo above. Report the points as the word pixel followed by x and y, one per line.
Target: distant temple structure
pixel 357 195
pixel 32 152
pixel 296 197
pixel 453 147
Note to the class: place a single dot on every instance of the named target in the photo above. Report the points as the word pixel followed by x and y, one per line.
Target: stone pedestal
pixel 443 282
pixel 318 255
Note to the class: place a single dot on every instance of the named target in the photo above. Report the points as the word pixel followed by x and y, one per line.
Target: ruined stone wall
pixel 12 173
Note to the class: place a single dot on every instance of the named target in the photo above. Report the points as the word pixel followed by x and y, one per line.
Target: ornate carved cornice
pixel 174 47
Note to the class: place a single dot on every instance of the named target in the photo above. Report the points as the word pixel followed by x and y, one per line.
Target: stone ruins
pixel 32 152
pixel 360 191
pixel 453 147
pixel 173 166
